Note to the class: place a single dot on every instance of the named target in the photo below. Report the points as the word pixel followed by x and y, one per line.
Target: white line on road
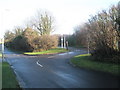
pixel 39 64
pixel 51 56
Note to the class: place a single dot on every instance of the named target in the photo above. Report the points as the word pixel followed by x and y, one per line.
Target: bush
pixel 28 36
pixel 30 41
pixel 21 43
pixel 109 55
pixel 45 42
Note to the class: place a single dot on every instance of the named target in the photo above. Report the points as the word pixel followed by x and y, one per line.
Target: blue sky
pixel 67 13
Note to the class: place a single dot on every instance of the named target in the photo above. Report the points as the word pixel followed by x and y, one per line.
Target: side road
pixel 54 71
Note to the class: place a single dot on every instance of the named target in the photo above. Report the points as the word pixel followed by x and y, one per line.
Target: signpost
pixel 64 43
pixel 61 42
pixel 64 40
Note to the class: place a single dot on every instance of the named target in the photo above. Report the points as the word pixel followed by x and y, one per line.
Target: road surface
pixel 54 71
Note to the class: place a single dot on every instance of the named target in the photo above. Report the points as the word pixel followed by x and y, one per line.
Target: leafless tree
pixel 44 23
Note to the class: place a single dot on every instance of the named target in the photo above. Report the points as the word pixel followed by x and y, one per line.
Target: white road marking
pixel 39 64
pixel 51 56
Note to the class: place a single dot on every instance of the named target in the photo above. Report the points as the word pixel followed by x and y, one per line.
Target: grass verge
pixel 85 61
pixel 0 55
pixel 51 51
pixel 8 77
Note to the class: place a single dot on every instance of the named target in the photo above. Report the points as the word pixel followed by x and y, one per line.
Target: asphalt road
pixel 54 71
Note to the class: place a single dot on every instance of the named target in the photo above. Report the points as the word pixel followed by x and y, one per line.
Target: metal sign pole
pixel 61 41
pixel 64 42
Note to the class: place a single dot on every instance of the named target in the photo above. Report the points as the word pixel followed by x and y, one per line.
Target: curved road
pixel 54 71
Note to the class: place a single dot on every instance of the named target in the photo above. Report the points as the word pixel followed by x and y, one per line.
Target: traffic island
pixel 50 51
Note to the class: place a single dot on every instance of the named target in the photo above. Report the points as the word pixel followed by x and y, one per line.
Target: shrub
pixel 23 42
pixel 20 43
pixel 45 42
pixel 30 40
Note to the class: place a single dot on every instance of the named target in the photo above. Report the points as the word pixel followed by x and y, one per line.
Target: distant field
pixel 51 51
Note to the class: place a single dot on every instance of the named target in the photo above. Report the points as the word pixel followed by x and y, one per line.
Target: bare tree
pixel 44 23
pixel 18 31
pixel 8 36
pixel 114 13
pixel 102 32
pixel 81 35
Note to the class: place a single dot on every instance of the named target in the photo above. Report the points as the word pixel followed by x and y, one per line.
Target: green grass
pixel 51 51
pixel 8 77
pixel 0 75
pixel 0 55
pixel 85 61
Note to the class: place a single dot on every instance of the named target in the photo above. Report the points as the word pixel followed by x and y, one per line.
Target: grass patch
pixel 0 55
pixel 51 51
pixel 86 61
pixel 8 77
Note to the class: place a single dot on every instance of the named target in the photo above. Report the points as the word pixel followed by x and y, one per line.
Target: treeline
pixel 101 34
pixel 36 37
